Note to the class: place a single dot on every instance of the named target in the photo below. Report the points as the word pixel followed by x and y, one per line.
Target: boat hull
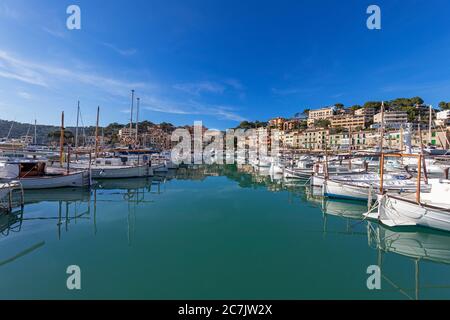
pixel 339 190
pixel 121 172
pixel 76 179
pixel 393 211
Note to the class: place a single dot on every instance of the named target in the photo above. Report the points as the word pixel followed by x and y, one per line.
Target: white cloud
pixel 44 75
pixel 123 52
pixel 190 108
pixel 50 76
pixel 196 88
pixel 55 33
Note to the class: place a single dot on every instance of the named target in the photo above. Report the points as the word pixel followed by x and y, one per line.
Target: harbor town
pixel 376 168
pixel 396 161
pixel 217 150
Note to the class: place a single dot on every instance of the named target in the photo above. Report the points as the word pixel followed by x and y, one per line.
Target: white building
pixel 392 119
pixel 443 118
pixel 126 132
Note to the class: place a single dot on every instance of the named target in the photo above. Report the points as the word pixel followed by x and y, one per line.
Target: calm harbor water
pixel 212 233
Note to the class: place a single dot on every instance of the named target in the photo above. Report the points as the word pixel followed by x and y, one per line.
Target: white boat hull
pixel 393 211
pixel 297 173
pixel 112 172
pixel 76 179
pixel 340 190
pixel 160 168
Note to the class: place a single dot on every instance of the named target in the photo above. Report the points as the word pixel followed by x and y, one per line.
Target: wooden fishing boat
pixel 431 209
pixel 33 175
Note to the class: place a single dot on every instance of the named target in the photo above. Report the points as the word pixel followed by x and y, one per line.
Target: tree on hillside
pixel 405 102
pixel 372 104
pixel 339 106
pixel 444 105
pixel 306 111
pixel 54 136
pixel 322 123
pixel 355 107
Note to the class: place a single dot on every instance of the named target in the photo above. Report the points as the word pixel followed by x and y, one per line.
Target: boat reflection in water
pixel 128 198
pixel 419 244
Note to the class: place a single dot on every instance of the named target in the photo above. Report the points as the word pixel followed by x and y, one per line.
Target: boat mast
pixel 381 149
pixel 425 176
pixel 61 141
pixel 401 139
pixel 76 131
pixel 136 142
pixel 35 135
pixel 96 133
pixel 131 114
pixel 10 129
pixel 429 125
pixel 382 127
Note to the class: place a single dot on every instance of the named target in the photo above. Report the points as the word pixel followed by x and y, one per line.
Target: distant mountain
pixel 18 129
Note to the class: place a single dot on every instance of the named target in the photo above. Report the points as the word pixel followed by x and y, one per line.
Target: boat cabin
pixel 12 170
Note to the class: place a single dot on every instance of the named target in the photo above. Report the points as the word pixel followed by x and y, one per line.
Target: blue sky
pixel 216 61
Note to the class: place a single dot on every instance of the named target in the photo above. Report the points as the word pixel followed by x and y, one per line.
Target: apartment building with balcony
pixel 323 113
pixel 392 119
pixel 348 121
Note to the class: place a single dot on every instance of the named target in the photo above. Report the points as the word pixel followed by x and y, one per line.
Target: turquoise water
pixel 212 233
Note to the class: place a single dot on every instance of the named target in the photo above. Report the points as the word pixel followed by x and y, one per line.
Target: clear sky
pixel 216 61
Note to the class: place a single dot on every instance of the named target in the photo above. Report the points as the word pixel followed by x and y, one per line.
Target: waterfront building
pixel 314 139
pixel 443 118
pixel 323 113
pixel 367 112
pixel 392 119
pixel 292 139
pixel 277 122
pixel 351 122
pixel 127 132
pixel 157 138
pixel 291 124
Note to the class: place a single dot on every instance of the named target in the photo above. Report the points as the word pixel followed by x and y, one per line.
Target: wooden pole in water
pixel 61 141
pixel 96 133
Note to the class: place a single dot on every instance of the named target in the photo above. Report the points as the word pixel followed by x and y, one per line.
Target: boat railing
pixel 11 201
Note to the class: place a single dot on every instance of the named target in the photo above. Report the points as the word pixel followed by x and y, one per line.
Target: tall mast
pixel 61 140
pixel 422 155
pixel 131 114
pixel 137 120
pixel 96 132
pixel 401 138
pixel 382 127
pixel 35 131
pixel 429 125
pixel 76 129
